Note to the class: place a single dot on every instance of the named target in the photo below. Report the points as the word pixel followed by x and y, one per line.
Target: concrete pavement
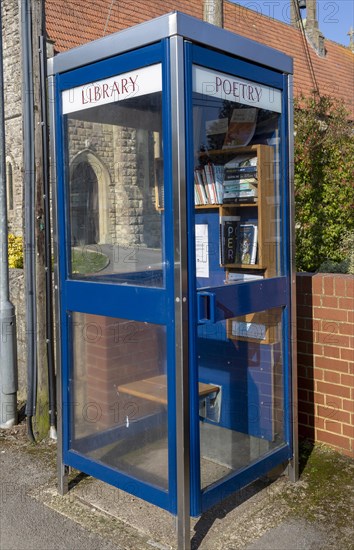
pixel 95 515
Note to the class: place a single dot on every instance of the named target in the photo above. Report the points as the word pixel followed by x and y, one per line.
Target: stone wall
pixel 13 110
pixel 122 159
pixel 17 297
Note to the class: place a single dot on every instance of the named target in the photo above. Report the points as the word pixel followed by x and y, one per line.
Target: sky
pixel 335 17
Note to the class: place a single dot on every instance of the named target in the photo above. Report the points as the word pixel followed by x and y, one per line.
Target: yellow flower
pixel 15 251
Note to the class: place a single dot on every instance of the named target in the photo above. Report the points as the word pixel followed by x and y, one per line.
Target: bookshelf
pixel 261 211
pixel 261 327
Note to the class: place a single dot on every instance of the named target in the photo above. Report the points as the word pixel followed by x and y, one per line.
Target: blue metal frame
pixel 153 305
pixel 250 297
pixel 287 316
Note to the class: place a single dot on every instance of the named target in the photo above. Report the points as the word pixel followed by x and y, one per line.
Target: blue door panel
pixel 145 297
pixel 243 370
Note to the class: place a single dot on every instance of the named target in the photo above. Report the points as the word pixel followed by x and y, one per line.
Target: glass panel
pixel 236 178
pixel 238 239
pixel 243 420
pixel 114 178
pixel 119 391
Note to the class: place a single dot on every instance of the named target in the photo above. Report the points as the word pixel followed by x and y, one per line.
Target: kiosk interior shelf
pixel 155 389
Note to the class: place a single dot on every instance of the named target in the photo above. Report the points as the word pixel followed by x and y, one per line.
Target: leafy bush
pixel 324 193
pixel 346 265
pixel 15 251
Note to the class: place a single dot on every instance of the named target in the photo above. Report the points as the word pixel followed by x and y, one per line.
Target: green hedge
pixel 324 193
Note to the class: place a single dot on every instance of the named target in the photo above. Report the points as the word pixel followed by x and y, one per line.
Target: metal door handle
pixel 206 307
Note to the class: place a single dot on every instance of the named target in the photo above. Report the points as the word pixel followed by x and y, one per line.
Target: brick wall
pixel 325 306
pixel 109 353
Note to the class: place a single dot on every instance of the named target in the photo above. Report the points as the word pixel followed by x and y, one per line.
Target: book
pixel 240 194
pixel 208 184
pixel 240 185
pixel 199 188
pixel 240 188
pixel 246 251
pixel 228 238
pixel 219 178
pixel 240 200
pixel 239 172
pixel 242 166
pixel 241 128
pixel 210 179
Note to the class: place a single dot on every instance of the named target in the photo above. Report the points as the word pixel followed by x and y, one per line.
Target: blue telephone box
pixel 173 153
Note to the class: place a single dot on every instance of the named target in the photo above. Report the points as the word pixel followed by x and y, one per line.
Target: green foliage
pixel 15 251
pixel 324 193
pixel 346 265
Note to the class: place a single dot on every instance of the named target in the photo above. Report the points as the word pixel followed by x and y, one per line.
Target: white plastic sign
pixel 212 83
pixel 116 88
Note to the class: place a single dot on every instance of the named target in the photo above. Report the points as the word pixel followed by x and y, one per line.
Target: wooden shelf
pixel 229 151
pixel 206 206
pixel 244 266
pixel 264 327
pixel 232 205
pixel 155 389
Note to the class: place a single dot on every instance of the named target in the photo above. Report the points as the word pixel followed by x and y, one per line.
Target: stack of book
pixel 208 184
pixel 240 181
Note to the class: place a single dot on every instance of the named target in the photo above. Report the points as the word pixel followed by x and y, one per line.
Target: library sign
pixel 224 86
pixel 116 88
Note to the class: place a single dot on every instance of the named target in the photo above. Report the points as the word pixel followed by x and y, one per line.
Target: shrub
pixel 324 193
pixel 346 265
pixel 15 251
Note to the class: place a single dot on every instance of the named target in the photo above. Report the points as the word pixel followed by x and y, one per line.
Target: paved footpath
pixel 96 516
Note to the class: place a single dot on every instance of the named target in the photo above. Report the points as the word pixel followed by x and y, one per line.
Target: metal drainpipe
pixel 213 12
pixel 8 348
pixel 47 234
pixel 29 185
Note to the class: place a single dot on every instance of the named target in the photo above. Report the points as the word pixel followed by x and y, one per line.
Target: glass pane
pixel 244 419
pixel 119 391
pixel 114 177
pixel 236 178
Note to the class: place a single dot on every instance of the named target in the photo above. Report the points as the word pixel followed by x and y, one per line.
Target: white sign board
pixel 201 250
pixel 213 83
pixel 116 88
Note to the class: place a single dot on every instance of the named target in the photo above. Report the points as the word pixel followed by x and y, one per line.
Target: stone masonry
pixel 13 111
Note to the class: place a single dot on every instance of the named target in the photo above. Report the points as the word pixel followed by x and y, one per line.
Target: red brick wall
pixel 117 352
pixel 325 331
